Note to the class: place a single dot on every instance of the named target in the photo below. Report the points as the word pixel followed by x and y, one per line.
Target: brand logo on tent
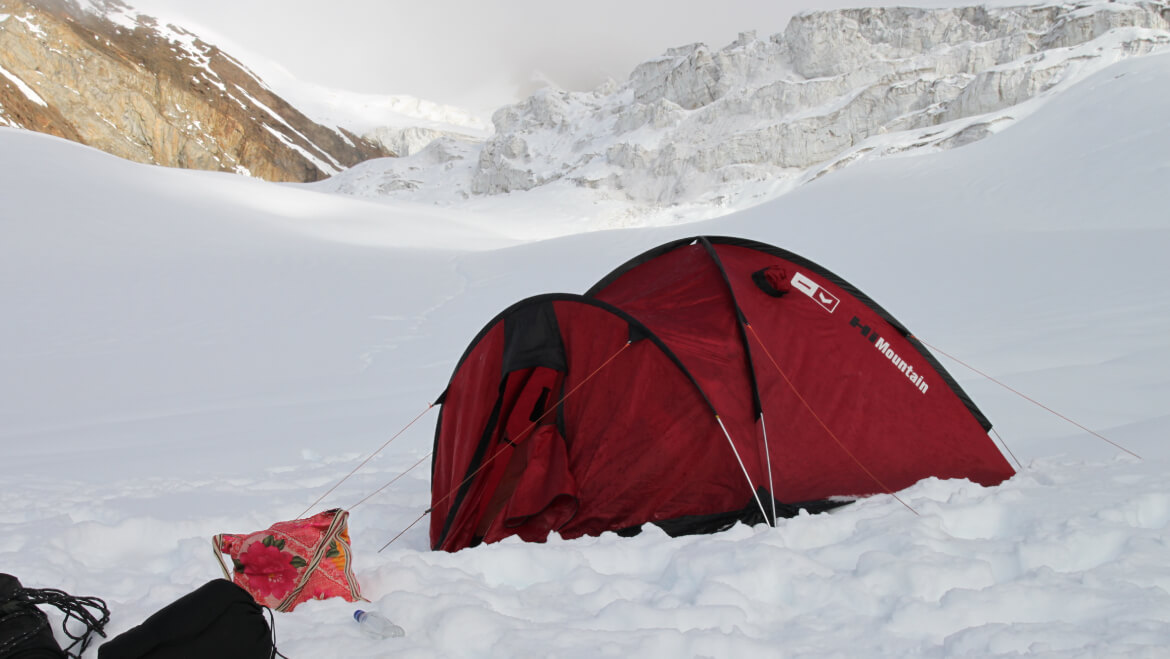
pixel 883 346
pixel 815 291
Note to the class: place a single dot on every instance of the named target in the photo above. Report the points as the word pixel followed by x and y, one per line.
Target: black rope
pixel 74 608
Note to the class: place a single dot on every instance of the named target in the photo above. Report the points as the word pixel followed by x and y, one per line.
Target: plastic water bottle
pixel 376 625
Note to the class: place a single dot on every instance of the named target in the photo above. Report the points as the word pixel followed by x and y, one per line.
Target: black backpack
pixel 220 620
pixel 25 632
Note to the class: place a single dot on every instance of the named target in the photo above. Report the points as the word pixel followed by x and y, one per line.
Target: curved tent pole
pixel 820 271
pixel 638 331
pixel 742 323
pixel 865 299
pixel 467 479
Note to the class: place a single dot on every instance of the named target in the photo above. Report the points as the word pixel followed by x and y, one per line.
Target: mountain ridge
pixel 690 132
pixel 698 130
pixel 106 76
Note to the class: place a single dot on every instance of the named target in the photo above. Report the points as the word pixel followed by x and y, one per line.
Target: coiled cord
pixel 74 608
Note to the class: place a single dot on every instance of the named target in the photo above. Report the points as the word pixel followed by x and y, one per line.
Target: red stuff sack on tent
pixel 291 562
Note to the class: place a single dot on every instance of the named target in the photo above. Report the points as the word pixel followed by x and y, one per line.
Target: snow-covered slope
pixel 699 131
pixel 153 90
pixel 400 122
pixel 113 79
pixel 185 354
pixel 403 124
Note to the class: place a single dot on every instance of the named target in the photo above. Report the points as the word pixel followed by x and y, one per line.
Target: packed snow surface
pixel 185 354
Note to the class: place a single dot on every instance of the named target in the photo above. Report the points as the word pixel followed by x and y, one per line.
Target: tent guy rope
pixel 816 416
pixel 519 437
pixel 1026 397
pixel 371 495
pixel 367 460
pixel 1007 448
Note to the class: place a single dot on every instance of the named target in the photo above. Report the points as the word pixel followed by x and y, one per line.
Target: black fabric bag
pixel 25 632
pixel 220 620
pixel 24 629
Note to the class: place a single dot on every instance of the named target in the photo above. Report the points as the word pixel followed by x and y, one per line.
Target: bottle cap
pixel 357 615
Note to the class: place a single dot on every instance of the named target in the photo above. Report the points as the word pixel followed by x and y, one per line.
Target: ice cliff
pixel 705 127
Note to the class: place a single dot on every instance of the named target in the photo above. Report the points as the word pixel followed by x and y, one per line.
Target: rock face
pixel 705 126
pixel 104 76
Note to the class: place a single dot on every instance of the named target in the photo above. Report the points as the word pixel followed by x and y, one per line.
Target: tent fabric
pixel 649 400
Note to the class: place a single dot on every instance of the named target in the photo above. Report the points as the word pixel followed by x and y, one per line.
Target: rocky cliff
pixel 101 74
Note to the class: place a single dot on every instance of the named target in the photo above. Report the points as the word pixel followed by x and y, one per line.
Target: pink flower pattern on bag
pixel 277 565
pixel 268 571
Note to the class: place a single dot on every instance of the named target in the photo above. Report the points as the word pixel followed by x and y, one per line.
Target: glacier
pixel 698 130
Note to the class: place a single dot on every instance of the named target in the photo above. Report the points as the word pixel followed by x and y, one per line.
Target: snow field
pixel 187 354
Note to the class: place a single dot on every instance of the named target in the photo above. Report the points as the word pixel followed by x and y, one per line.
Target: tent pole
pixel 497 454
pixel 823 425
pixel 768 457
pixel 741 466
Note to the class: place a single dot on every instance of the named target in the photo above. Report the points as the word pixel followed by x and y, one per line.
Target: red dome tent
pixel 707 381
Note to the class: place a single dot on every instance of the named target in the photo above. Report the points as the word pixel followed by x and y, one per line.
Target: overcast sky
pixel 472 53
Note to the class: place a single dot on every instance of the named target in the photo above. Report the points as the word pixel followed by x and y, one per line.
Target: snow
pixel 31 26
pixel 189 353
pixel 364 114
pixel 23 87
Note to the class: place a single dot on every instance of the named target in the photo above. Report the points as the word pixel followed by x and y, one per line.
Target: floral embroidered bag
pixel 292 562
